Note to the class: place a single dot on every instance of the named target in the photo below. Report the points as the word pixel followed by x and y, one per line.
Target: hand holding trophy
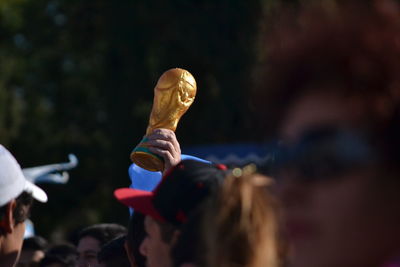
pixel 174 93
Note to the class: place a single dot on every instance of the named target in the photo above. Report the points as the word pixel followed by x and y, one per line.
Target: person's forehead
pixel 27 255
pixel 38 255
pixel 151 226
pixel 317 109
pixel 149 222
pixel 88 243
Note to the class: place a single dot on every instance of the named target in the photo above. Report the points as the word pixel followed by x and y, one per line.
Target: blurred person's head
pixel 134 239
pixel 113 253
pixel 236 227
pixel 170 205
pixel 54 261
pixel 60 255
pixel 92 238
pixel 333 76
pixel 33 251
pixel 16 197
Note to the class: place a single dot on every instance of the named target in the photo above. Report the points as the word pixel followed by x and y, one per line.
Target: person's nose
pixel 290 191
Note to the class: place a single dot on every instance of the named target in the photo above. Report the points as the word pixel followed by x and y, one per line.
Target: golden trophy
pixel 174 93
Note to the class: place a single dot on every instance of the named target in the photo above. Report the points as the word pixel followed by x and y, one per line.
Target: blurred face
pixel 336 213
pixel 156 251
pixel 88 248
pixel 30 258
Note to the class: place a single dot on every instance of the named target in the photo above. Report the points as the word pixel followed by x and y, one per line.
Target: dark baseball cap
pixel 179 193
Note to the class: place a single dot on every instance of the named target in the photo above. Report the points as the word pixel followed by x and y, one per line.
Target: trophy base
pixel 142 157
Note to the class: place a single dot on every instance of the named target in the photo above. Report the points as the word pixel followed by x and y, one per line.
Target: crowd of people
pixel 332 198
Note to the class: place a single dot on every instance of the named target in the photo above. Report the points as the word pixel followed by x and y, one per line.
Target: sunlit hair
pixel 240 224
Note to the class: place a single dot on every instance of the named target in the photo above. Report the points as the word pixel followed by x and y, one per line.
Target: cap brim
pixel 139 200
pixel 36 191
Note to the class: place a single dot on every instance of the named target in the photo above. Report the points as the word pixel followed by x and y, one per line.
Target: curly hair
pixel 351 48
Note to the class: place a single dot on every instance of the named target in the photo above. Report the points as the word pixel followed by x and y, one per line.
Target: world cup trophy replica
pixel 174 93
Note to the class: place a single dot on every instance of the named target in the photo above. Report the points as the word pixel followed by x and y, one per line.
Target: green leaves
pixel 78 76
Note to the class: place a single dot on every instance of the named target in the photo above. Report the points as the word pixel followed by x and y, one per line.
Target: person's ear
pixel 7 222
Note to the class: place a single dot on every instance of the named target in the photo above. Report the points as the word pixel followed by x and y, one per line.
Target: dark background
pixel 78 76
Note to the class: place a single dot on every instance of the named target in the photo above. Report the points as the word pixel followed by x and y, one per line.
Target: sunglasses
pixel 324 153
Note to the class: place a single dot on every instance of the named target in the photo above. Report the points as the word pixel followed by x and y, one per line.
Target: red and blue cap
pixel 178 194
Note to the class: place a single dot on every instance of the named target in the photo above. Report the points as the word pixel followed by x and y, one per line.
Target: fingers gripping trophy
pixel 174 93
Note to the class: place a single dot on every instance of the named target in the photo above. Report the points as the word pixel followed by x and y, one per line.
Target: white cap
pixel 13 182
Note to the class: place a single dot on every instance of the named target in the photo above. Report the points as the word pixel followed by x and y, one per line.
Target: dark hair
pixel 135 237
pixel 113 253
pixel 349 49
pixel 35 243
pixel 64 254
pixel 22 209
pixel 104 232
pixel 184 188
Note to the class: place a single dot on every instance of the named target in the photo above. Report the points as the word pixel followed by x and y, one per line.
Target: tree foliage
pixel 78 76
